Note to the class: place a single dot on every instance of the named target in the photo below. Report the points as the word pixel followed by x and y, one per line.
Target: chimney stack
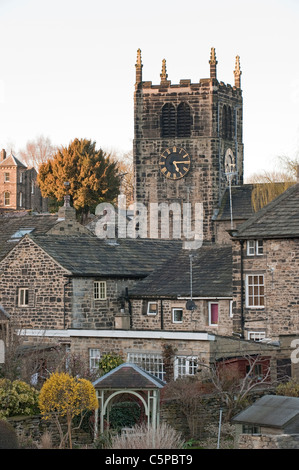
pixel 2 155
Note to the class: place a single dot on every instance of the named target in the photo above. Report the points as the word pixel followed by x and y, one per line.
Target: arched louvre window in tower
pixel 184 120
pixel 168 123
pixel 227 125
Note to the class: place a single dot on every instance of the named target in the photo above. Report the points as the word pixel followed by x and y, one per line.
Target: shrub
pixel 108 362
pixel 124 414
pixel 17 398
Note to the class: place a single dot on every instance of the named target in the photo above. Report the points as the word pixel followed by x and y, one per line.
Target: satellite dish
pixel 190 305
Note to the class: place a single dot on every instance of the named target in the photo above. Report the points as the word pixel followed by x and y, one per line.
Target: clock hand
pixel 176 167
pixel 186 161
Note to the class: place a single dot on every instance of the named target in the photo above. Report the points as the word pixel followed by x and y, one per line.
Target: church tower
pixel 188 142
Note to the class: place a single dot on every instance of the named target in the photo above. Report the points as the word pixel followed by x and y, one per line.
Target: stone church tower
pixel 187 139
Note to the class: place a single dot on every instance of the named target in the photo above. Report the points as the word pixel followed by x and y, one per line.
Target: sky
pixel 68 67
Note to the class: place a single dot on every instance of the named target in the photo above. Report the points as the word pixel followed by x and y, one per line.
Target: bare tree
pixel 126 173
pixel 233 388
pixel 37 152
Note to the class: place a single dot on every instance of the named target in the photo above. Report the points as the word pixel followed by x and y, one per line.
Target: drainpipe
pixel 64 308
pixel 162 315
pixel 127 298
pixel 242 289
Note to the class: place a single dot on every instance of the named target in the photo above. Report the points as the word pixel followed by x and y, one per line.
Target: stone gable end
pixel 27 266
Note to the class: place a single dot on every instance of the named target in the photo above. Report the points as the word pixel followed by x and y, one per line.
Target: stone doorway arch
pixel 128 379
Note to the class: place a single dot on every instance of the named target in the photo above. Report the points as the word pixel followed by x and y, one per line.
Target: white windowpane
pixel 100 290
pixel 255 291
pixel 152 363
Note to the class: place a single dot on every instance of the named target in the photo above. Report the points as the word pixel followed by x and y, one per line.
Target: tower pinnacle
pixel 163 74
pixel 139 67
pixel 237 73
pixel 213 64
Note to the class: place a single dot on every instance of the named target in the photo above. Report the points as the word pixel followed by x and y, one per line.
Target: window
pixel 100 290
pixel 255 372
pixel 7 198
pixel 152 308
pixel 21 177
pixel 152 363
pixel 213 314
pixel 183 120
pixel 255 247
pixel 32 187
pixel 94 357
pixel 23 297
pixel 185 365
pixel 255 291
pixel 256 335
pixel 20 233
pixel 21 200
pixel 6 177
pixel 250 429
pixel 177 315
pixel 168 123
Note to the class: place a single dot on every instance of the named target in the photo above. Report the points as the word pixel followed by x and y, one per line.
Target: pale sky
pixel 68 67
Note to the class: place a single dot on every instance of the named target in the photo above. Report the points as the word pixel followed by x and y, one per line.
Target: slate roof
pixel 128 376
pixel 241 203
pixel 279 219
pixel 211 275
pixel 92 256
pixel 12 224
pixel 270 410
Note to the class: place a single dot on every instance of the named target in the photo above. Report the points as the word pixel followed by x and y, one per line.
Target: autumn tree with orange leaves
pixel 91 174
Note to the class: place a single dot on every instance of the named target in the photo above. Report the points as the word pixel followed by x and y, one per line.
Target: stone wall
pixel 198 320
pixel 48 299
pixel 269 441
pixel 89 313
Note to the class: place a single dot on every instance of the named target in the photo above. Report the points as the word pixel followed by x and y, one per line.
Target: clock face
pixel 174 163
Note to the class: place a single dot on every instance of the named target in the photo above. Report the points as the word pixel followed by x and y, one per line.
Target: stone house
pixel 265 274
pixel 265 270
pixel 270 414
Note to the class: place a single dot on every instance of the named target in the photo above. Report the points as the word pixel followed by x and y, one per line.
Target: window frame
pixel 259 296
pixel 255 247
pixel 23 297
pixel 173 315
pixel 5 195
pixel 212 302
pixel 149 312
pixel 94 358
pixel 7 177
pixel 183 365
pixel 152 363
pixel 98 292
pixel 256 336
